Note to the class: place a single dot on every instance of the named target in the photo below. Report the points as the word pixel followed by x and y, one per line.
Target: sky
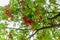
pixel 4 2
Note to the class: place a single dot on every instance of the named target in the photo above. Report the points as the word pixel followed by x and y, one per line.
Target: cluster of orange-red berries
pixel 7 13
pixel 27 21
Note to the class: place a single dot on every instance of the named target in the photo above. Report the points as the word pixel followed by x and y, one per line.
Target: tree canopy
pixel 30 20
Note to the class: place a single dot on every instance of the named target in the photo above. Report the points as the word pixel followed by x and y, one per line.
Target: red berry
pixel 40 18
pixel 24 17
pixel 8 14
pixel 26 21
pixel 29 22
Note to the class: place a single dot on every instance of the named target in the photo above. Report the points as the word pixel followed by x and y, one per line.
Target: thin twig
pixel 53 12
pixel 17 28
pixel 55 16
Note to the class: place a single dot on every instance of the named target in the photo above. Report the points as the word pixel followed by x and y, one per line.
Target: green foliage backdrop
pixel 40 17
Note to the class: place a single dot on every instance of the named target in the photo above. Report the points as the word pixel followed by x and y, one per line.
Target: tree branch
pixel 55 15
pixel 44 28
pixel 53 12
pixel 17 28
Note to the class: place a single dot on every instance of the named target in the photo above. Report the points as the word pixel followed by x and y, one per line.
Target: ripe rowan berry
pixel 40 18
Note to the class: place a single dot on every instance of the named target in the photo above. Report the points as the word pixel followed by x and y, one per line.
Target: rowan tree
pixel 31 19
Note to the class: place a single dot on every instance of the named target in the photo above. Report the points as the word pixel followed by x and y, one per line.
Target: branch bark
pixel 55 16
pixel 52 26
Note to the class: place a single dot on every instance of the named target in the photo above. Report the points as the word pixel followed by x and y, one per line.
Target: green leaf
pixel 2 26
pixel 2 39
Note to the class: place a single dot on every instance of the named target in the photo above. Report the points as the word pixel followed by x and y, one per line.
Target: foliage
pixel 38 17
